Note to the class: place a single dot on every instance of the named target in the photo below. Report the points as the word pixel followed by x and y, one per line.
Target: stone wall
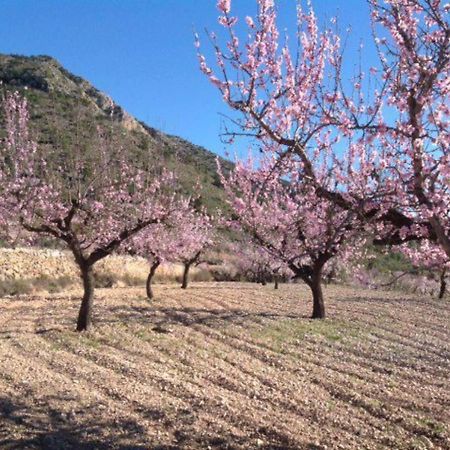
pixel 33 263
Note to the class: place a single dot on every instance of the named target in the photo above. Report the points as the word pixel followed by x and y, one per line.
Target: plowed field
pixel 225 366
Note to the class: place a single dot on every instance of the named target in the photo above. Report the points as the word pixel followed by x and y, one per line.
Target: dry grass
pixel 35 270
pixel 225 366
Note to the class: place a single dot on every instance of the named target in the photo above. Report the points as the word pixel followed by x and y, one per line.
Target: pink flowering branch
pixel 431 257
pixel 293 100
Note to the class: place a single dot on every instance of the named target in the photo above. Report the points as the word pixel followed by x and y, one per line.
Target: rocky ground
pixel 232 366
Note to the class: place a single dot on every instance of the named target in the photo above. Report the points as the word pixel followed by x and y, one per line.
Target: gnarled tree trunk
pixel 318 302
pixel 312 276
pixel 275 286
pixel 187 266
pixel 84 321
pixel 151 274
pixel 185 281
pixel 443 287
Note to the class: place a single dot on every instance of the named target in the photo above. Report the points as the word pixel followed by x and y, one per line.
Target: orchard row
pixel 343 160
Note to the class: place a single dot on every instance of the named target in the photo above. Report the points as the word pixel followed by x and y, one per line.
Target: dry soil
pixel 225 366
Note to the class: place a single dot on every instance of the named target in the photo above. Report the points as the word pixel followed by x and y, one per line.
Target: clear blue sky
pixel 141 52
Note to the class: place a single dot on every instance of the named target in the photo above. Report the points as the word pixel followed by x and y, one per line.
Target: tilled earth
pixel 225 365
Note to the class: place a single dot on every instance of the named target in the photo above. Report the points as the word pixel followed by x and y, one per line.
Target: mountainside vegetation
pixel 65 111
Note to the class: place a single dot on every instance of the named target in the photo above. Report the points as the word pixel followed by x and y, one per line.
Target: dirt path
pixel 226 366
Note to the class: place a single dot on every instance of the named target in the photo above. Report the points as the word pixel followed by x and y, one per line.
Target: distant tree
pixel 431 257
pixel 156 243
pixel 257 264
pixel 183 237
pixel 196 234
pixel 93 199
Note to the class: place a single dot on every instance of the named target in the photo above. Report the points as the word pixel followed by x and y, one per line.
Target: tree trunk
pixel 85 314
pixel 316 289
pixel 184 284
pixel 262 277
pixel 151 274
pixel 318 303
pixel 275 286
pixel 442 237
pixel 443 284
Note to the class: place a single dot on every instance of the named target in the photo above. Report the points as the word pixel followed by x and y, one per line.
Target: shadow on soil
pixel 42 427
pixel 193 316
pixel 407 299
pixel 61 316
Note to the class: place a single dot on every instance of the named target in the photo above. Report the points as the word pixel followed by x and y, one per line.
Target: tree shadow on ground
pixel 189 316
pixel 57 319
pixel 42 427
pixel 407 300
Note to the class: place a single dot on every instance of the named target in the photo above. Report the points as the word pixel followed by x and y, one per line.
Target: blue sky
pixel 141 52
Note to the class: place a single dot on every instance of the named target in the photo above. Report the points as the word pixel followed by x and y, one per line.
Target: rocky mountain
pixel 64 107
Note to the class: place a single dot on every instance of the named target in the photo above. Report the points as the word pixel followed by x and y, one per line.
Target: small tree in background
pixel 93 199
pixel 157 244
pixel 195 234
pixel 429 256
pixel 171 241
pixel 257 264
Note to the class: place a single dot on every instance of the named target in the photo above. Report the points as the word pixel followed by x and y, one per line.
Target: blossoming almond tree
pixel 16 153
pixel 182 237
pixel 429 256
pixel 388 148
pixel 195 234
pixel 256 263
pixel 93 201
pixel 291 222
pixel 156 243
pixel 414 49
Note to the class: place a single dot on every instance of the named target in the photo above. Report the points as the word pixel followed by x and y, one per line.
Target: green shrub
pixel 15 287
